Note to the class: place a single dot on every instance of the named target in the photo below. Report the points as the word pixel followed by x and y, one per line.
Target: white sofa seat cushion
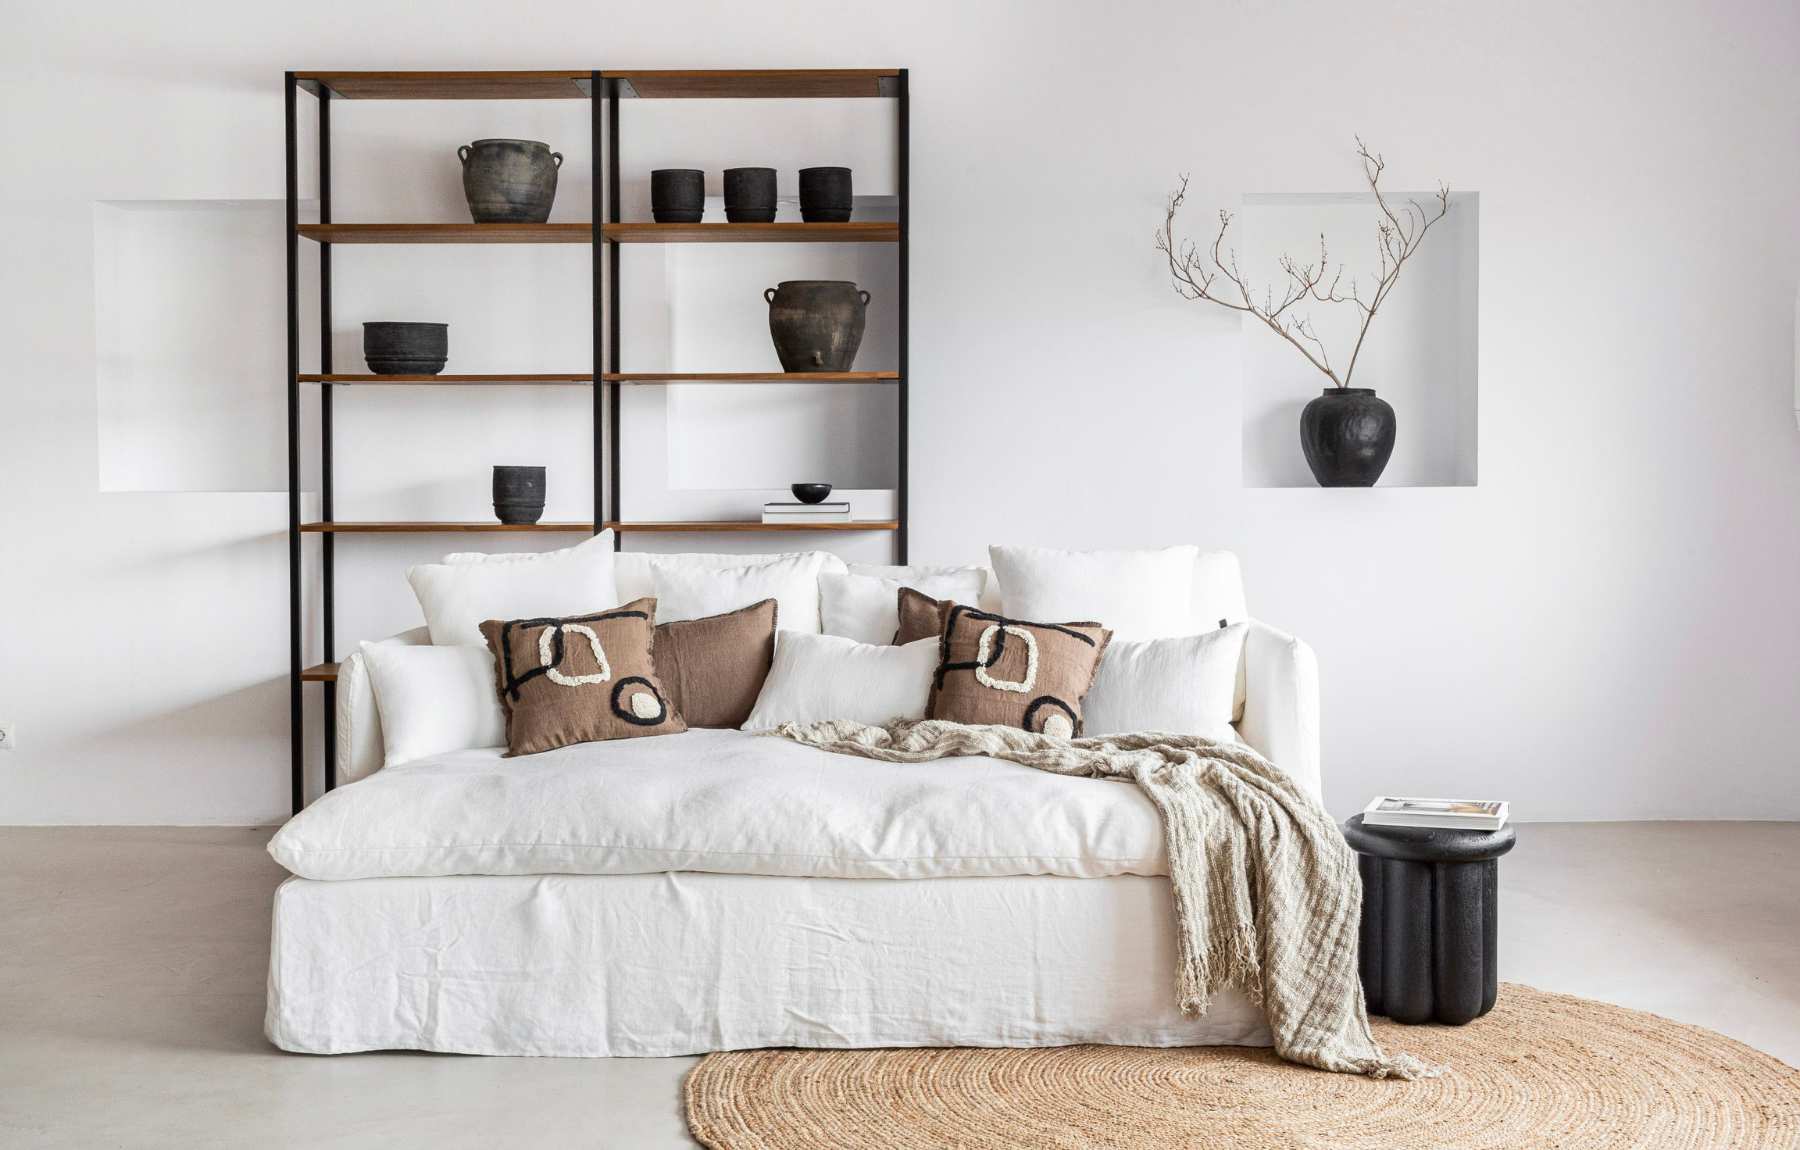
pixel 722 801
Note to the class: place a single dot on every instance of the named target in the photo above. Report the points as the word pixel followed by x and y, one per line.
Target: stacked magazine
pixel 1447 814
pixel 806 512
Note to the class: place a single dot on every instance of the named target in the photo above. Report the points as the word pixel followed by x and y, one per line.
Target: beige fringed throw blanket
pixel 1267 896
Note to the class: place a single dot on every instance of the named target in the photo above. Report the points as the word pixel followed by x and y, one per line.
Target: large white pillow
pixel 1184 686
pixel 635 570
pixel 458 597
pixel 863 607
pixel 1134 594
pixel 990 586
pixel 818 677
pixel 434 699
pixel 690 592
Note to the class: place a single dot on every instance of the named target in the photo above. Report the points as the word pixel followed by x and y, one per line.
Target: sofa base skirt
pixel 685 963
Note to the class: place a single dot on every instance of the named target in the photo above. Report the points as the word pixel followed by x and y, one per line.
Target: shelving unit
pixel 605 91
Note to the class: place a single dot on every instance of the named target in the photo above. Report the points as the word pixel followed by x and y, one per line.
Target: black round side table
pixel 1430 919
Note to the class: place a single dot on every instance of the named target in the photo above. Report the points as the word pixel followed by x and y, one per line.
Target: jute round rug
pixel 1541 1070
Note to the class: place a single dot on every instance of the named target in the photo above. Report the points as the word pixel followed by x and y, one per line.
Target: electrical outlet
pixel 8 736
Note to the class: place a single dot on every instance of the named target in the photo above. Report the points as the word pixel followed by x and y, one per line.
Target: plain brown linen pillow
pixel 921 616
pixel 714 667
pixel 579 679
pixel 1009 672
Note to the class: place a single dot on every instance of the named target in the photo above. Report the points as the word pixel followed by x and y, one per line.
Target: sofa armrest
pixel 360 751
pixel 1281 703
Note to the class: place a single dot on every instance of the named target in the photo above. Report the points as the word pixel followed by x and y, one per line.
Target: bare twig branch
pixel 1215 277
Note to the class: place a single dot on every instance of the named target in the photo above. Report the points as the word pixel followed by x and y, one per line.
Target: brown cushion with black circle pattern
pixel 579 679
pixel 992 669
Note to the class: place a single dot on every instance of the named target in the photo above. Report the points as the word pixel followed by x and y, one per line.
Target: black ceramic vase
pixel 817 325
pixel 1347 434
pixel 749 195
pixel 518 494
pixel 509 181
pixel 677 195
pixel 825 196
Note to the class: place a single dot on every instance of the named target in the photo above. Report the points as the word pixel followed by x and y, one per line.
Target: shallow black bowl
pixel 811 492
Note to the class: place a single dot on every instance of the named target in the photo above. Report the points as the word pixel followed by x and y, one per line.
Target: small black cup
pixel 825 195
pixel 750 195
pixel 677 195
pixel 518 494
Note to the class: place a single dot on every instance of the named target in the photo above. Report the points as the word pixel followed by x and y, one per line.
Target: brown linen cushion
pixel 992 669
pixel 579 679
pixel 921 616
pixel 714 667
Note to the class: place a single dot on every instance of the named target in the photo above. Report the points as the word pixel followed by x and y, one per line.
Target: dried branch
pixel 1214 277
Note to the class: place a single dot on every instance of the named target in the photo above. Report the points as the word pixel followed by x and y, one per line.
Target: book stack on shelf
pixel 799 513
pixel 1444 814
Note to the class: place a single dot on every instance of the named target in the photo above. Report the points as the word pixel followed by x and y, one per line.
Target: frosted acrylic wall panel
pixel 191 345
pixel 1420 354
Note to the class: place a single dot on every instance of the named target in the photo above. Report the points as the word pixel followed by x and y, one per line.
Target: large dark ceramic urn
pixel 1348 435
pixel 817 325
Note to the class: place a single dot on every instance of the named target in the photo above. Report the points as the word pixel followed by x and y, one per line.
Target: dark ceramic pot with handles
pixel 509 181
pixel 518 493
pixel 1348 435
pixel 817 325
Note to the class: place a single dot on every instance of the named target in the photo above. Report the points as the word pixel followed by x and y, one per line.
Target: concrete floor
pixel 132 964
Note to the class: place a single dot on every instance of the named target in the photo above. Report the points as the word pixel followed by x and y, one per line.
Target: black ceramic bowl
pixel 677 195
pixel 393 348
pixel 811 492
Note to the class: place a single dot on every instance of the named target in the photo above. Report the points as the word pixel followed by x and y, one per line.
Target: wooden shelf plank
pixel 765 83
pixel 756 525
pixel 552 85
pixel 470 380
pixel 781 232
pixel 320 673
pixel 341 527
pixel 750 377
pixel 470 233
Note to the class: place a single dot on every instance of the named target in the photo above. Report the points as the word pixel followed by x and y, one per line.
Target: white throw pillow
pixel 688 592
pixel 635 570
pixel 1134 594
pixel 989 599
pixel 458 597
pixel 1184 686
pixel 863 607
pixel 434 699
pixel 359 749
pixel 818 677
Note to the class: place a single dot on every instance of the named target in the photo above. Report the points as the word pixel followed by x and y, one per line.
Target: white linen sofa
pixel 839 904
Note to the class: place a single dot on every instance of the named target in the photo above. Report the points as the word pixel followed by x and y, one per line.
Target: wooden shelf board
pixel 750 377
pixel 756 525
pixel 341 527
pixel 782 232
pixel 582 377
pixel 435 528
pixel 552 85
pixel 578 233
pixel 320 673
pixel 766 83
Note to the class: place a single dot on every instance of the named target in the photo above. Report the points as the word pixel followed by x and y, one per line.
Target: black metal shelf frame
pixel 604 95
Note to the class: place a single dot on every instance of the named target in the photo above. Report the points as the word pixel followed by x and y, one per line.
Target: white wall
pixel 1605 627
